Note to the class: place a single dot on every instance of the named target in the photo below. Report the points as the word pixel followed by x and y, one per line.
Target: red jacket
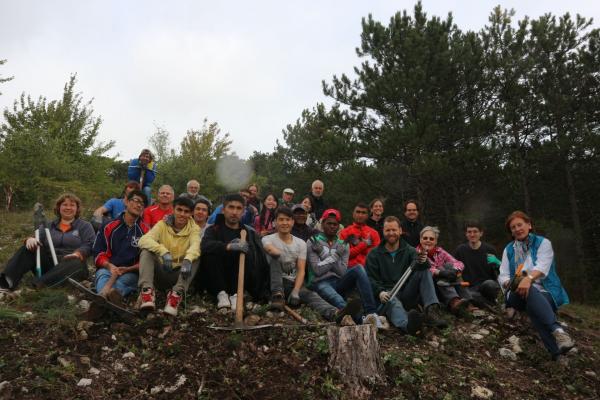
pixel 154 213
pixel 358 252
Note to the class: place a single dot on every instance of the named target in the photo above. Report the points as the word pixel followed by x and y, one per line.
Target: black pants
pixel 23 261
pixel 218 275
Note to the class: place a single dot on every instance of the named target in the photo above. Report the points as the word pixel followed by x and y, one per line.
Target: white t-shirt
pixel 290 253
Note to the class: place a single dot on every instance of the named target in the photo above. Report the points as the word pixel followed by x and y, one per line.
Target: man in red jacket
pixel 360 236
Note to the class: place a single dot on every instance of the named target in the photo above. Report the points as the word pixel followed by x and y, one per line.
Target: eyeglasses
pixel 431 239
pixel 361 212
pixel 137 201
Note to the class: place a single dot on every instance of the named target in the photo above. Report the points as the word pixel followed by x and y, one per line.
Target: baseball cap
pixel 331 211
pixel 288 190
pixel 298 207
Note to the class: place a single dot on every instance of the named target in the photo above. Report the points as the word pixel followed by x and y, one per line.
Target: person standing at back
pixel 143 170
pixel 316 196
pixel 411 226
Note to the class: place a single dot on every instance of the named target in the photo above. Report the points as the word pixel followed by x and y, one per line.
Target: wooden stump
pixel 354 354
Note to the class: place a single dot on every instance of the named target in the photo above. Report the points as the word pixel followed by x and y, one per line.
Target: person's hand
pixel 238 246
pixel 114 270
pixel 294 298
pixel 523 288
pixel 167 259
pixel 186 269
pixel 318 247
pixel 32 243
pixel 384 296
pixel 97 219
pixel 368 241
pixel 74 255
pixel 353 240
pixel 447 274
pixel 422 256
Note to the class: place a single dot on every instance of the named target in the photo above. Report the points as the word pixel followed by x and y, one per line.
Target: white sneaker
pixel 223 300
pixel 373 319
pixel 563 341
pixel 233 301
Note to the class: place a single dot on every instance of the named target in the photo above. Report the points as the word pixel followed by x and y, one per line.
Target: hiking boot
pixel 147 299
pixel 115 297
pixel 372 319
pixel 415 322
pixel 94 313
pixel 458 307
pixel 433 317
pixel 173 300
pixel 277 301
pixel 563 341
pixel 223 300
pixel 352 308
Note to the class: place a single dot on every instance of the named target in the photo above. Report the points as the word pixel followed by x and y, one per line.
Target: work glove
pixel 448 275
pixel 32 243
pixel 294 298
pixel 353 240
pixel 492 259
pixel 368 240
pixel 186 269
pixel 384 296
pixel 317 247
pixel 167 262
pixel 239 246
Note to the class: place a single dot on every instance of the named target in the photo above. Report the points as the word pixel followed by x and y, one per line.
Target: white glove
pixel 384 296
pixel 32 244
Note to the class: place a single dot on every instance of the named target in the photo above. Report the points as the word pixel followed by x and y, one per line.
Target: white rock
pixel 476 336
pixel 180 381
pixel 117 366
pixel 94 371
pixel 478 313
pixel 82 335
pixel 481 392
pixel 4 385
pixel 249 306
pixel 85 360
pixel 573 351
pixel 417 361
pixel 106 348
pixel 144 366
pixel 83 305
pixel 434 344
pixel 24 390
pixel 28 314
pixel 71 299
pixel 84 325
pixel 63 362
pixel 483 332
pixel 269 314
pixel 504 352
pixel 590 373
pixel 156 389
pixel 128 355
pixel 84 382
pixel 113 337
pixel 513 340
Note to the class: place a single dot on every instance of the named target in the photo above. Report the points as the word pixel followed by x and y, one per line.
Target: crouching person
pixel 169 257
pixel 385 266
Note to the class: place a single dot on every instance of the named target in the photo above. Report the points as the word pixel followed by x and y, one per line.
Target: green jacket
pixel 384 270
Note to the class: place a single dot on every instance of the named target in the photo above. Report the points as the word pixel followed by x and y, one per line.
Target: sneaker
pixel 372 319
pixel 433 317
pixel 563 341
pixel 233 301
pixel 173 300
pixel 147 299
pixel 277 301
pixel 415 322
pixel 509 313
pixel 353 307
pixel 223 300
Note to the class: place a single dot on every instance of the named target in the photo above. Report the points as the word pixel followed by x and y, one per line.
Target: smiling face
pixel 165 195
pixel 473 235
pixel 135 206
pixel 270 202
pixel 428 240
pixel 287 197
pixel 182 214
pixel 200 213
pixel 411 212
pixel 360 215
pixel 284 223
pixel 68 209
pixel 144 158
pixel 519 228
pixel 306 204
pixel 193 187
pixel 253 190
pixel 317 189
pixel 300 217
pixel 391 232
pixel 377 208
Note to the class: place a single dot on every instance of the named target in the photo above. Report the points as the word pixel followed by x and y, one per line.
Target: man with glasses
pixel 113 207
pixel 361 237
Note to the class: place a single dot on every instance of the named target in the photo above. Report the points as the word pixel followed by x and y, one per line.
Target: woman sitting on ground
pixel 446 271
pixel 528 276
pixel 73 239
pixel 263 223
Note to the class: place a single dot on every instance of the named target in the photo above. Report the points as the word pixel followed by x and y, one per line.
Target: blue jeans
pixel 541 310
pixel 418 289
pixel 147 190
pixel 125 284
pixel 334 289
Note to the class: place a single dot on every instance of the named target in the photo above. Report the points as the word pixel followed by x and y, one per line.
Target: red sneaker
pixel 173 300
pixel 147 299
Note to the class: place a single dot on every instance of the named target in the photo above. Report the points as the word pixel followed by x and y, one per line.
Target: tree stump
pixel 354 354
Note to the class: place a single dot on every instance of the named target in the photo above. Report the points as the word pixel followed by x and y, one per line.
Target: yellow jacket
pixel 184 244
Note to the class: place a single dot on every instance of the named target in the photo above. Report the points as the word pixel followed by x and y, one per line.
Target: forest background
pixel 471 124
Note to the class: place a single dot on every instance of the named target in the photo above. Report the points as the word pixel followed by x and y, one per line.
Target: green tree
pixel 2 80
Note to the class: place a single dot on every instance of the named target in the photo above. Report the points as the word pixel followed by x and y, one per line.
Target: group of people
pixel 294 253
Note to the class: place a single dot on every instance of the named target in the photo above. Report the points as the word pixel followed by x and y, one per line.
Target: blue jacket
pixel 135 170
pixel 118 243
pixel 247 216
pixel 551 282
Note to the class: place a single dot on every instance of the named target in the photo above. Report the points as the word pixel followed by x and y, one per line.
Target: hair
pixel 317 181
pixel 285 211
pixel 138 193
pixel 361 205
pixel 310 200
pixel 147 151
pixel 184 201
pixel 473 224
pixel 205 202
pixel 234 197
pixel 252 184
pixel 517 214
pixel 133 184
pixel 167 186
pixel 190 182
pixel 407 202
pixel 392 218
pixel 434 229
pixel 375 200
pixel 264 219
pixel 62 198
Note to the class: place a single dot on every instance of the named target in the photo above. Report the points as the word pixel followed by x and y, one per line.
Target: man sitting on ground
pixel 164 207
pixel 193 192
pixel 113 207
pixel 169 257
pixel 248 215
pixel 221 248
pixel 385 266
pixel 116 252
pixel 328 260
pixel 201 213
pixel 481 266
pixel 301 229
pixel 362 238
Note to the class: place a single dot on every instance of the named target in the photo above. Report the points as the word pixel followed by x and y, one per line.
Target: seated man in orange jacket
pixel 361 237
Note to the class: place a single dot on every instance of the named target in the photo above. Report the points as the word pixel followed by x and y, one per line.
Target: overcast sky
pixel 251 66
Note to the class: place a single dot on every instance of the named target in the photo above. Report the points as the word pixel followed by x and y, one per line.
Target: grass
pixel 50 304
pixel 8 313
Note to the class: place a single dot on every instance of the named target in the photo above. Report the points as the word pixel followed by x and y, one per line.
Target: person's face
pixel 519 228
pixel 330 226
pixel 233 212
pixel 246 195
pixel 182 214
pixel 270 202
pixel 411 212
pixel 287 197
pixel 165 196
pixel 377 208
pixel 317 189
pixel 67 209
pixel 428 240
pixel 300 217
pixel 200 213
pixel 253 190
pixel 391 232
pixel 473 235
pixel 129 189
pixel 306 204
pixel 135 206
pixel 193 188
pixel 284 223
pixel 145 158
pixel 360 215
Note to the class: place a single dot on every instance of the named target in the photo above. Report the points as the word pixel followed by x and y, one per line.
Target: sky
pixel 250 66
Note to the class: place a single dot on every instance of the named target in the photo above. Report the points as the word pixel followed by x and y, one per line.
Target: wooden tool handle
pixel 239 306
pixel 295 315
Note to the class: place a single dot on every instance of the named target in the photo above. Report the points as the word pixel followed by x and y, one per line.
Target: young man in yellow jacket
pixel 169 257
